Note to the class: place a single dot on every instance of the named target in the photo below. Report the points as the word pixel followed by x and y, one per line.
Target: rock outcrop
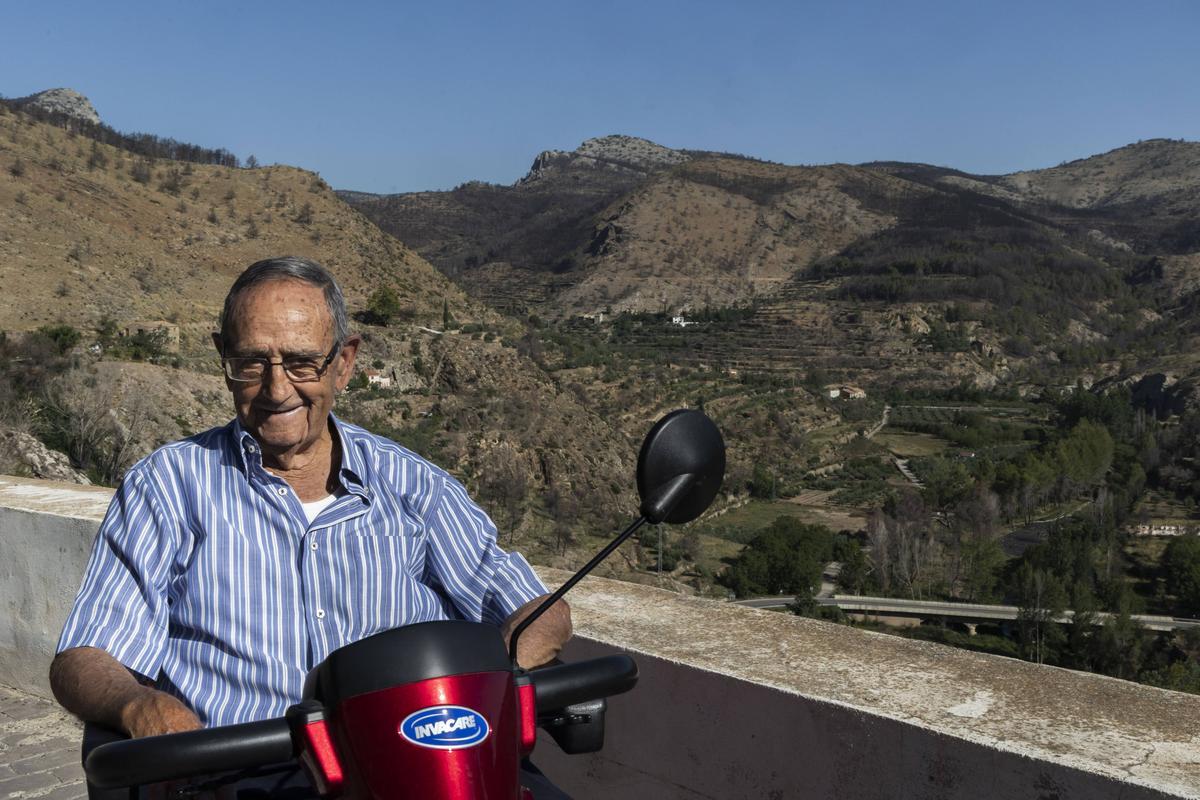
pixel 627 154
pixel 64 101
pixel 23 453
pixel 632 151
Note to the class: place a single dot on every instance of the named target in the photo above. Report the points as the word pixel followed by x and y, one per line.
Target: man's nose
pixel 276 385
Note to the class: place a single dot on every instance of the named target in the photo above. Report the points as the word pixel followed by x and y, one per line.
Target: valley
pixel 953 386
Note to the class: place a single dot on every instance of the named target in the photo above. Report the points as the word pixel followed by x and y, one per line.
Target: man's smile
pixel 278 412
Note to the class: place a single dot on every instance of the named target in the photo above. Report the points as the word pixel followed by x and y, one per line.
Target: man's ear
pixel 344 363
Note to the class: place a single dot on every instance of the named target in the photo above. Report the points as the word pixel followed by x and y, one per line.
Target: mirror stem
pixel 574 579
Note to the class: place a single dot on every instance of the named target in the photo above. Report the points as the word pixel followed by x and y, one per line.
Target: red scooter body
pixel 478 758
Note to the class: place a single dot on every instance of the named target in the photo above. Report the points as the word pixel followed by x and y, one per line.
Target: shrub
pixel 64 336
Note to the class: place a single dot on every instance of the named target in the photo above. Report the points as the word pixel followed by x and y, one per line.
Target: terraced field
pixel 797 332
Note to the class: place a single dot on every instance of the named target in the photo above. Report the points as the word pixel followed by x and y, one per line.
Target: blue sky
pixel 402 96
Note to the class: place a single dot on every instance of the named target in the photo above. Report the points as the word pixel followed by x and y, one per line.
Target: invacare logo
pixel 445 727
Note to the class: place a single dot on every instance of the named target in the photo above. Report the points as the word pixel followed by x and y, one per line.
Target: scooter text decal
pixel 445 727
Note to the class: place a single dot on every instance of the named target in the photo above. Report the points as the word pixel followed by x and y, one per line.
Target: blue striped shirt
pixel 207 576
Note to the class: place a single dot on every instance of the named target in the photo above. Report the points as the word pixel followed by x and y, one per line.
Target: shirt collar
pixel 248 453
pixel 352 469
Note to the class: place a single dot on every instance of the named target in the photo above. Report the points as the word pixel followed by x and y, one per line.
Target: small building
pixel 1150 529
pixel 378 379
pixel 169 332
pixel 681 321
pixel 840 390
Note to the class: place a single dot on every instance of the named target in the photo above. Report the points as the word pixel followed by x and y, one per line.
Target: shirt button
pixel 320 613
pixel 283 491
pixel 313 545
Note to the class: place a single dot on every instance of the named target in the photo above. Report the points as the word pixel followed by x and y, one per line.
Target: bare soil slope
pixel 88 231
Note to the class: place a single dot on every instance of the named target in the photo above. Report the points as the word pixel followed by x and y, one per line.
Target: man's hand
pixel 154 713
pixel 96 687
pixel 543 639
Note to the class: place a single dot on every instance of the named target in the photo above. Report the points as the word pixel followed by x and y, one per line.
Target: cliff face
pixel 614 153
pixel 63 101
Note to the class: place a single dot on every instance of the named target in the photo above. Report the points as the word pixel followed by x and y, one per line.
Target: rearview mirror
pixel 680 467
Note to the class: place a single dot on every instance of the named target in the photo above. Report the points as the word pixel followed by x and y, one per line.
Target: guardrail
pixel 974 612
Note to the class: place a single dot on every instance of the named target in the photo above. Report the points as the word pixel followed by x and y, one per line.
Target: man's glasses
pixel 299 369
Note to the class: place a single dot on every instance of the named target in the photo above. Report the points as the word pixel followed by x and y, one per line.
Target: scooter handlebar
pixel 134 762
pixel 568 684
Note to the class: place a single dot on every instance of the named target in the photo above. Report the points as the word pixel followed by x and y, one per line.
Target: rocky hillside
pixel 515 240
pixel 888 268
pixel 94 238
pixel 1149 171
pixel 66 102
pixel 90 231
pixel 717 232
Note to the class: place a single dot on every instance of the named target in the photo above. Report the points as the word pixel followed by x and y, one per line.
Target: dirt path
pixel 879 425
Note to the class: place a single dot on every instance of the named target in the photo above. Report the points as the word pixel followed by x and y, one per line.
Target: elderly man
pixel 232 562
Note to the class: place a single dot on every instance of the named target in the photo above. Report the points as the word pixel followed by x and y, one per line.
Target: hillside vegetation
pixel 96 238
pixel 880 273
pixel 954 386
pixel 90 231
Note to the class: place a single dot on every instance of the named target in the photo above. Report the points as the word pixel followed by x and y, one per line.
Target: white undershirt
pixel 313 509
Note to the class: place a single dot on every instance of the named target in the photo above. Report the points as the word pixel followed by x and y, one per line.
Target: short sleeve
pixel 122 604
pixel 484 582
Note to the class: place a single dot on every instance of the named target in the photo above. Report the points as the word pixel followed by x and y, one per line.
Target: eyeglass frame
pixel 268 363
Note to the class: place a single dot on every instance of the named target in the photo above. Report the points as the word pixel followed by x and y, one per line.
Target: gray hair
pixel 290 268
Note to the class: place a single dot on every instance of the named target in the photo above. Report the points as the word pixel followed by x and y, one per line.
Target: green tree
pixel 383 305
pixel 763 482
pixel 855 573
pixel 983 559
pixel 1081 637
pixel 946 483
pixel 64 336
pixel 1181 563
pixel 106 334
pixel 786 557
pixel 1041 600
pixel 1120 642
pixel 1085 454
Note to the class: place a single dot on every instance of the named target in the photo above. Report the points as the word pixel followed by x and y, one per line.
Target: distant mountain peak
pixel 614 152
pixel 631 150
pixel 64 101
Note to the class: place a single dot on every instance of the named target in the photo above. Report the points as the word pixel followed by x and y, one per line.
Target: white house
pixel 376 378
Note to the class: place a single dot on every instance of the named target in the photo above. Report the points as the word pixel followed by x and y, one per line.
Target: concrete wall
pixel 739 703
pixel 46 532
pixel 692 734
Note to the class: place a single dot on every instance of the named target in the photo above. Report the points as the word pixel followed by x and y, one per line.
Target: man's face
pixel 276 320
